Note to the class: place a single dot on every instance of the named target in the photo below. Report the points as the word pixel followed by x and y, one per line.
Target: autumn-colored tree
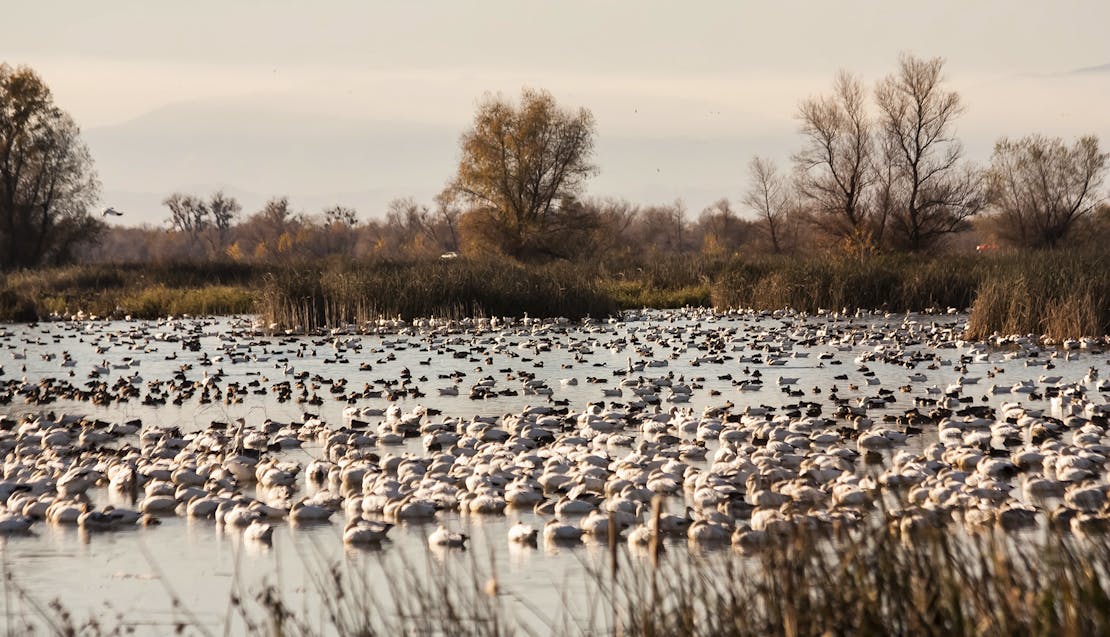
pixel 336 234
pixel 47 181
pixel 265 229
pixel 520 165
pixel 722 231
pixel 1040 189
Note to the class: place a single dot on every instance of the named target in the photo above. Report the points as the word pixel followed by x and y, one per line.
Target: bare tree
pixel 208 221
pixel 834 166
pixel 449 213
pixel 47 181
pixel 770 197
pixel 1040 188
pixel 661 229
pixel 932 192
pixel 408 222
pixel 615 221
pixel 223 210
pixel 278 214
pixel 188 214
pixel 338 215
pixel 337 234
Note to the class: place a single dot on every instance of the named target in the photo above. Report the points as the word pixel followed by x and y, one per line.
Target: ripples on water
pixel 123 572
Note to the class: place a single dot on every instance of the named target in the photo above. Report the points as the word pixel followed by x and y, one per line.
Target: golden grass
pixel 1058 294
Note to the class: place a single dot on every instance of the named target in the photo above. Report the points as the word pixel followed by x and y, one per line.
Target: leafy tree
pixel 520 164
pixel 47 181
pixel 1040 189
pixel 931 192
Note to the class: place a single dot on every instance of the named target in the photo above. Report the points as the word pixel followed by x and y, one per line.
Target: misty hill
pixel 1103 68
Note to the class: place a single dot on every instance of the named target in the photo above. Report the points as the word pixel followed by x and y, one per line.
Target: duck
pixel 93 520
pixel 15 524
pixel 521 533
pixel 708 532
pixel 259 531
pixel 442 537
pixel 363 531
pixel 302 513
pixel 556 531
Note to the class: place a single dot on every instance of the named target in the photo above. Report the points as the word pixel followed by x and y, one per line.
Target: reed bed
pixel 873 582
pixel 1058 294
pixel 308 299
pixel 897 283
pixel 143 291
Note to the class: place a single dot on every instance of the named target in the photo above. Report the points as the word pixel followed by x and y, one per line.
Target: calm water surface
pixel 136 573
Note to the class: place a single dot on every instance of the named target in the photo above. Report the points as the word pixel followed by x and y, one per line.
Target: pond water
pixel 804 362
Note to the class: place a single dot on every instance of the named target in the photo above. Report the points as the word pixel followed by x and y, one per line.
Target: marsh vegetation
pixel 1058 294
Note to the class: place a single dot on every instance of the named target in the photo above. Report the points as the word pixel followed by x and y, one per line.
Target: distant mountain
pixel 1104 68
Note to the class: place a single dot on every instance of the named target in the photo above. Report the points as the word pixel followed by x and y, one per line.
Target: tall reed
pixel 876 282
pixel 360 293
pixel 874 582
pixel 820 578
pixel 1060 294
pixel 1055 293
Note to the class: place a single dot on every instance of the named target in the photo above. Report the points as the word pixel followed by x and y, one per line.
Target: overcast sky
pixel 358 102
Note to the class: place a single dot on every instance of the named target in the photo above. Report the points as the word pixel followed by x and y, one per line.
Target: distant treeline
pixel 879 210
pixel 877 170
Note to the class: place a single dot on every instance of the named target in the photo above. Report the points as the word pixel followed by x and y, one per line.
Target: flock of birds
pixel 747 425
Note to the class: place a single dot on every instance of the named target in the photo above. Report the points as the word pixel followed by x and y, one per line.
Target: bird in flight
pixel 111 211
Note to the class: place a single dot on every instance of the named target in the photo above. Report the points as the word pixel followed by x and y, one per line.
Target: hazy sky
pixel 358 102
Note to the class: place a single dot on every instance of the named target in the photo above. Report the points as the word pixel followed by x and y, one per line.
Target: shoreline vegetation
pixel 883 577
pixel 1052 293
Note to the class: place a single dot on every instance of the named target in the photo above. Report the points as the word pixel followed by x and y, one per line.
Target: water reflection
pixel 204 561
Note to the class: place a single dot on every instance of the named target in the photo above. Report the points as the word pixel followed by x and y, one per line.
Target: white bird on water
pixel 110 211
